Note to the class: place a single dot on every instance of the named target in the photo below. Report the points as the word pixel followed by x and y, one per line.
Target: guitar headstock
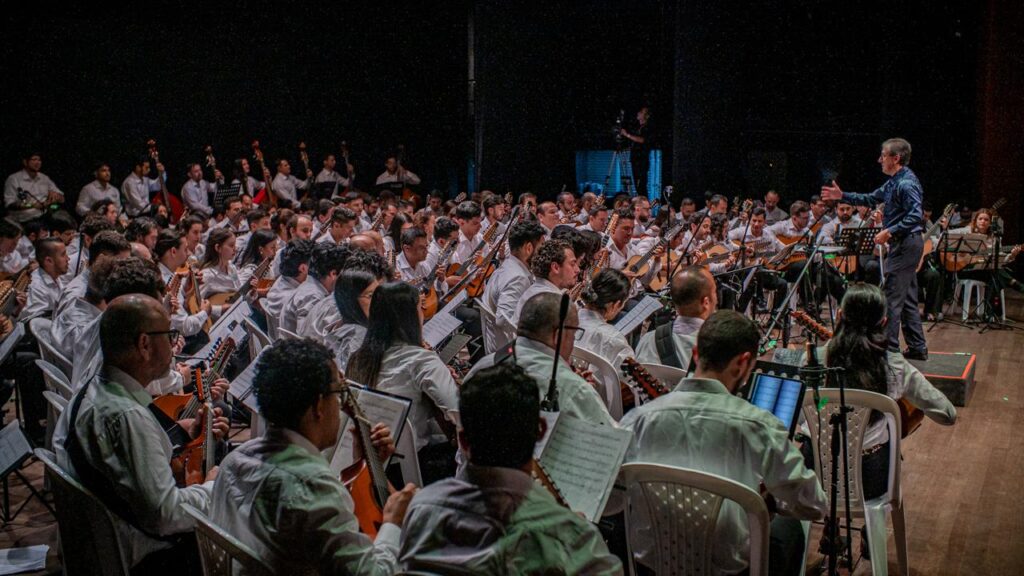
pixel 810 324
pixel 649 386
pixel 613 222
pixel 460 198
pixel 491 233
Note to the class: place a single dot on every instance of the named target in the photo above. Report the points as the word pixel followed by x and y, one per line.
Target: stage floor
pixel 961 484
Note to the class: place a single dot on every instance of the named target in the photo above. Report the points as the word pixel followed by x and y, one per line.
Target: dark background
pixel 744 98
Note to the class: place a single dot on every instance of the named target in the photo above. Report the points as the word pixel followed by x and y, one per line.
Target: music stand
pixel 963 247
pixel 225 192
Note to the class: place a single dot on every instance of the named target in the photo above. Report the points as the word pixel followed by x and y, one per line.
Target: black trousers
pixel 901 292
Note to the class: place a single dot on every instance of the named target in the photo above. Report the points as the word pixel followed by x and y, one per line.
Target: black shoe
pixel 916 354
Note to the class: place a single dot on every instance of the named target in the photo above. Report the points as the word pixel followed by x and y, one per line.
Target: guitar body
pixel 223 298
pixel 410 196
pixel 369 513
pixel 929 246
pixel 429 303
pixel 635 269
pixel 911 416
pixel 475 289
pixel 660 280
pixel 172 404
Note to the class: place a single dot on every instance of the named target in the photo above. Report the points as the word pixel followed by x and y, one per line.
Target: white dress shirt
pixel 340 182
pixel 286 188
pixel 13 262
pixel 418 374
pixel 576 396
pixel 197 196
pixel 343 342
pixel 20 187
pixel 216 281
pixel 322 318
pixel 502 294
pixel 539 286
pixel 278 295
pixel 786 228
pixel 123 441
pixel 43 295
pixel 603 339
pixel 277 494
pixel 70 323
pixel 93 192
pixel 684 336
pixel 73 288
pixel 775 215
pixel 409 273
pixel 700 425
pixel 300 303
pixel 464 249
pixel 137 191
pixel 181 320
pixel 26 248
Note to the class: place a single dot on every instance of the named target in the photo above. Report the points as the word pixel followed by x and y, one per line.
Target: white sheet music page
pixel 440 327
pixel 229 324
pixel 638 314
pixel 583 460
pixel 241 387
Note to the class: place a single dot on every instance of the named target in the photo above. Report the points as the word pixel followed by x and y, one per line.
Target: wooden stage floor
pixel 962 485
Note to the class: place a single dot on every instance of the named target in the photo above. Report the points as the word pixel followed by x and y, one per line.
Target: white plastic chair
pixel 54 379
pixel 88 537
pixel 873 512
pixel 607 376
pixel 272 325
pixel 975 289
pixel 40 328
pixel 220 552
pixel 682 506
pixel 487 320
pixel 669 375
pixel 55 406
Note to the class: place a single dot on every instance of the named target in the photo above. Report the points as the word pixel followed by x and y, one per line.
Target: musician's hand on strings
pixel 185 371
pixel 831 192
pixel 380 438
pixel 221 425
pixel 219 389
pixel 21 299
pixel 171 304
pixel 6 326
pixel 398 504
pixel 883 236
pixel 206 307
pixel 218 175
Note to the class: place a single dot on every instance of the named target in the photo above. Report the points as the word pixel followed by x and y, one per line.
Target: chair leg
pixel 806 525
pixel 874 527
pixel 965 307
pixel 899 529
pixel 1002 304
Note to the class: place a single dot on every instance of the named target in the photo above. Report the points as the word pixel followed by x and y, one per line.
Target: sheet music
pixel 638 314
pixel 390 409
pixel 229 324
pixel 13 338
pixel 23 559
pixel 440 327
pixel 455 303
pixel 13 446
pixel 241 387
pixel 583 460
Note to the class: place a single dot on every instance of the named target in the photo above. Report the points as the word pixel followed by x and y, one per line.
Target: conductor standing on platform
pixel 640 148
pixel 902 226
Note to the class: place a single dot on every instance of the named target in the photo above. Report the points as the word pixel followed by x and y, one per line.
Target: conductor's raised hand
pixel 831 192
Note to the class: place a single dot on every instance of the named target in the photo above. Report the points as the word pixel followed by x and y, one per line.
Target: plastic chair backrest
pixel 272 327
pixel 487 320
pixel 260 338
pixel 40 328
pixel 220 551
pixel 669 375
pixel 408 459
pixel 862 403
pixel 607 376
pixel 683 507
pixel 88 536
pixel 54 379
pixel 55 406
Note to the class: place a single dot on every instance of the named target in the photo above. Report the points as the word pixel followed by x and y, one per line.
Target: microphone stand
pixel 686 250
pixel 784 306
pixel 550 401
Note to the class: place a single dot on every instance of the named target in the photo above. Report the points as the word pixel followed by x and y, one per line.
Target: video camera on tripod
pixel 617 129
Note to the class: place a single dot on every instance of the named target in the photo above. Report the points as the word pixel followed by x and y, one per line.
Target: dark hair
pixel 410 235
pixel 467 210
pixel 46 247
pixel 524 233
pixel 394 320
pixel 350 196
pixel 217 236
pixel 369 262
pixel 296 253
pixel 351 283
pixel 444 227
pixel 255 215
pixel 724 336
pixel 257 240
pixel 9 229
pixel 94 289
pixel 62 222
pixel 93 224
pixel 327 257
pixel 324 207
pixel 395 229
pixel 283 393
pixel 35 226
pixel 859 344
pixel 166 240
pixel 499 409
pixel 491 201
pixel 342 216
pixel 99 206
pixel 188 222
pixel 759 211
pixel 550 252
pixel 610 286
pixel 281 219
pixel 109 243
pixel 133 276
pixel 139 228
pixel 798 207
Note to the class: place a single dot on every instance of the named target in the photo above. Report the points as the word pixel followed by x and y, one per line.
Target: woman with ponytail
pixel 603 300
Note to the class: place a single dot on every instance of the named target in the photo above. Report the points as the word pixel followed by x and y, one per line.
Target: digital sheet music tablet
pixel 780 394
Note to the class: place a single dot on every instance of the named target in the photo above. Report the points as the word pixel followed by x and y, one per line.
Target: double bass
pixel 174 205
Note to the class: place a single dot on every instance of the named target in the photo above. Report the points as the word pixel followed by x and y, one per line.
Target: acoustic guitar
pixel 365 478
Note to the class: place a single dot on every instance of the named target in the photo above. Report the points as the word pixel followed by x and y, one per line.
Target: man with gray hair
pixel 534 351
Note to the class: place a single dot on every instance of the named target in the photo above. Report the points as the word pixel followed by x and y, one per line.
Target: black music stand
pixel 225 192
pixel 14 451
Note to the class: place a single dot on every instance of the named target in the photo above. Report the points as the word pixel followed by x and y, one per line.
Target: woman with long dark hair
pixel 353 293
pixel 860 347
pixel 262 245
pixel 219 273
pixel 997 280
pixel 603 300
pixel 393 359
pixel 393 238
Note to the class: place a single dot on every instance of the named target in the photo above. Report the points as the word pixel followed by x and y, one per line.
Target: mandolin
pixel 193 299
pixel 10 289
pixel 365 478
pixel 647 386
pixel 911 417
pixel 429 301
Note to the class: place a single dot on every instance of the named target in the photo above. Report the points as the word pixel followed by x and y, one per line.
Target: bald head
pixel 693 292
pixel 125 319
pixel 539 321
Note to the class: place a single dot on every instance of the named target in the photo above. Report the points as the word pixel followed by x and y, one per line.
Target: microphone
pixel 550 402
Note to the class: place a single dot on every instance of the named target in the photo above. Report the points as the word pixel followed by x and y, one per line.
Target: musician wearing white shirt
pixel 773 213
pixel 762 242
pixel 286 186
pixel 694 298
pixel 294 269
pixel 250 186
pixel 138 187
pixel 411 264
pixel 445 230
pixel 219 273
pixel 329 174
pixel 98 189
pixel 494 211
pixel 28 192
pixel 106 244
pixel 547 215
pixel 555 269
pixel 566 205
pixel 505 288
pixel 641 208
pixel 196 192
pixel 467 216
pixel 342 224
pixel 233 219
pixel 603 300
pixel 394 173
pixel 256 219
pixel 597 219
pixel 45 287
pixel 324 266
pixel 688 428
pixel 172 252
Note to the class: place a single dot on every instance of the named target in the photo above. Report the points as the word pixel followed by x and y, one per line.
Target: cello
pixel 175 208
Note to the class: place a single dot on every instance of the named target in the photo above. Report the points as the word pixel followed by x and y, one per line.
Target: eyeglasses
pixel 172 335
pixel 577 328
